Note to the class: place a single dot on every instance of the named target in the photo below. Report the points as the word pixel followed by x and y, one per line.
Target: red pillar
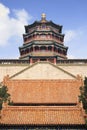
pixel 52 48
pixel 31 61
pixel 46 48
pixel 33 49
pixel 47 60
pixel 54 60
pixel 38 60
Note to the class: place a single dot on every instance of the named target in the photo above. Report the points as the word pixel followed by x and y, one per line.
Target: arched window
pixel 25 39
pixel 43 48
pixel 64 52
pixel 55 49
pixel 27 50
pixel 49 48
pixel 31 49
pixel 60 50
pixel 53 35
pixel 36 48
pixel 61 39
pixel 22 52
pixel 56 37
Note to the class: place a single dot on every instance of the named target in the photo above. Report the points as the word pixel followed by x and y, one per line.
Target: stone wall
pixel 10 70
pixel 46 72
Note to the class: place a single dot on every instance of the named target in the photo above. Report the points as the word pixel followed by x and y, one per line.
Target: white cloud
pixel 70 35
pixel 76 40
pixel 21 15
pixel 12 23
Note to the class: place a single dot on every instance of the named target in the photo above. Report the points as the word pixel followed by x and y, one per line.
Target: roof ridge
pixel 46 62
pixel 62 70
pixel 44 107
pixel 23 70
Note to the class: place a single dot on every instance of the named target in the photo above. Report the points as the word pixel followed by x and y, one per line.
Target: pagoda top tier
pixel 43 22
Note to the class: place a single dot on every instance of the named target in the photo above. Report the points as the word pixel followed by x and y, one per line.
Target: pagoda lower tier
pixel 42 48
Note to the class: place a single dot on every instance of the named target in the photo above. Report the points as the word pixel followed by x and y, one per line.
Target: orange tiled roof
pixel 44 91
pixel 42 115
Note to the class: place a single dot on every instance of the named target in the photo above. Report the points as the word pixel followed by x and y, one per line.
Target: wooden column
pixel 38 60
pixel 55 61
pixel 46 48
pixel 53 48
pixel 31 61
pixel 33 49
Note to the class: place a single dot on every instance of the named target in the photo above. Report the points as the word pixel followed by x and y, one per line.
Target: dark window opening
pixel 43 48
pixel 42 59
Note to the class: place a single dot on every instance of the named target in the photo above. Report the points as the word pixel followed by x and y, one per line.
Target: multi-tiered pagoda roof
pixel 43 41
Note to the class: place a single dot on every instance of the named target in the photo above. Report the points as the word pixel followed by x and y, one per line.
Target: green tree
pixel 83 94
pixel 4 95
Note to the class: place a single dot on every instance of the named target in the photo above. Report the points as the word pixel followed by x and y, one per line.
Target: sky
pixel 15 14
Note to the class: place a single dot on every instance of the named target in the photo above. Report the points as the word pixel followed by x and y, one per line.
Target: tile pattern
pixel 42 115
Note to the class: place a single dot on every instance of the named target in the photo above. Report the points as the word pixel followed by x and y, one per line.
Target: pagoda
pixel 43 41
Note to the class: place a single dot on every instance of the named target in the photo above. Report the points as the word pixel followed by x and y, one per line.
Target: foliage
pixel 4 95
pixel 83 95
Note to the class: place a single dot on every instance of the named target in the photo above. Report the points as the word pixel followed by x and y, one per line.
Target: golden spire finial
pixel 43 16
